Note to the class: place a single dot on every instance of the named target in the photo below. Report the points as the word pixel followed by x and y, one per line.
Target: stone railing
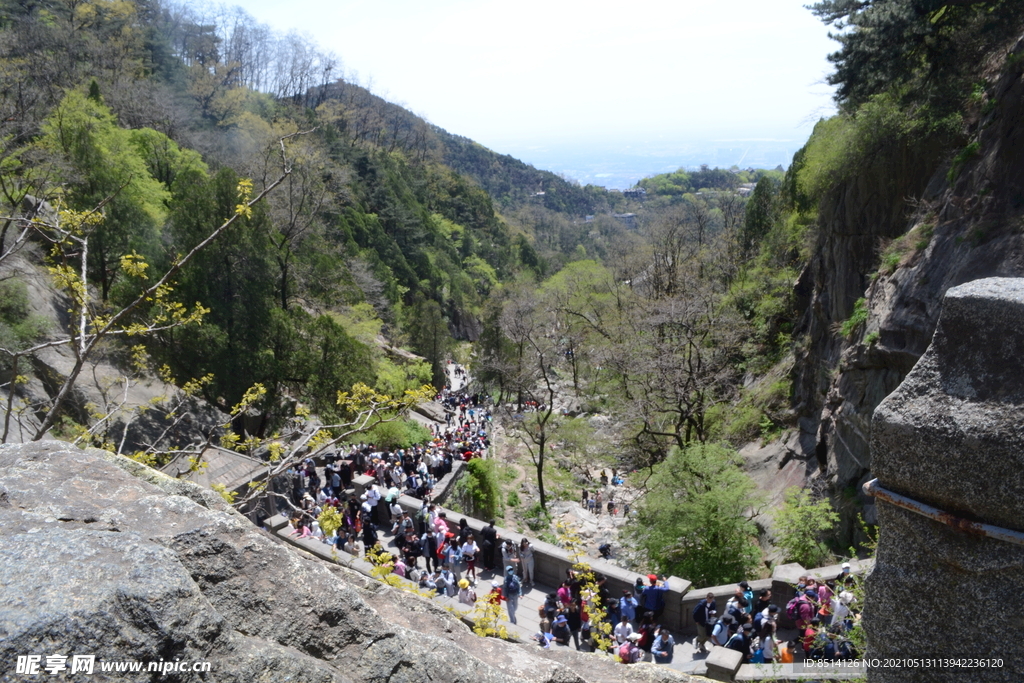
pixel 782 585
pixel 552 562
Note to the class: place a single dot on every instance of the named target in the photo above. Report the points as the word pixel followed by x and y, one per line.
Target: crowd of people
pixel 453 555
pixel 410 471
pixel 598 500
pixel 823 612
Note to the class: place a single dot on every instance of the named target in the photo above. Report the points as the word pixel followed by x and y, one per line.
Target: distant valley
pixel 619 165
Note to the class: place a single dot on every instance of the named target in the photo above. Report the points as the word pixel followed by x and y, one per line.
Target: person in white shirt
pixel 841 609
pixel 470 552
pixel 623 630
pixel 466 594
pixel 720 635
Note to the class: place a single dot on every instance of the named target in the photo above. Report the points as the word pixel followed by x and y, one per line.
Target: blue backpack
pixel 512 585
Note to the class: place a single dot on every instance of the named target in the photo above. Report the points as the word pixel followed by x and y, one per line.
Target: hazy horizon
pixel 596 91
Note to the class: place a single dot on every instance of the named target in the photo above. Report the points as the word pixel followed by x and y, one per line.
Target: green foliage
pixel 750 417
pixel 933 49
pixel 899 249
pixel 682 182
pixel 965 155
pixel 18 326
pixel 763 296
pixel 841 145
pixel 763 211
pixel 395 377
pixel 800 526
pixel 513 499
pixel 537 518
pixel 361 321
pixel 428 332
pixel 330 520
pixel 871 338
pixel 488 619
pixel 481 487
pixel 104 164
pixel 856 319
pixel 694 521
pixel 395 434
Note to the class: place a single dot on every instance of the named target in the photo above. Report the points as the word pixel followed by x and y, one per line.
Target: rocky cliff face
pixel 105 557
pixel 956 232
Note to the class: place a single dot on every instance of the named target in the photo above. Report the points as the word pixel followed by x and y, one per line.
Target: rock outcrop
pixel 103 556
pixel 952 437
pixel 957 226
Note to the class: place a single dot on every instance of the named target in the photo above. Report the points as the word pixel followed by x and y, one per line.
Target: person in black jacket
pixel 490 540
pixel 575 621
pixel 700 618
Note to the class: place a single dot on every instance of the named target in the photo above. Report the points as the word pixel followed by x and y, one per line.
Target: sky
pixel 566 83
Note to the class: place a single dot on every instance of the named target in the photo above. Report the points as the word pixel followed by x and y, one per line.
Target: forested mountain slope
pixel 154 115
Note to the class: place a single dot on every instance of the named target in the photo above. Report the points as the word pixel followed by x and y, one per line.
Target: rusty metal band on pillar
pixel 872 488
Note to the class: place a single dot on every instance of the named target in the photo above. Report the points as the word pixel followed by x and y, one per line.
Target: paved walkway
pixel 533 597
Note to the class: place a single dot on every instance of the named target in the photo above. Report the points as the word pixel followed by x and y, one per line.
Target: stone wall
pixel 550 561
pixel 952 437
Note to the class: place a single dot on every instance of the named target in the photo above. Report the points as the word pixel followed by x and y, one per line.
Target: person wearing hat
pixel 495 597
pixel 466 594
pixel 560 632
pixel 720 634
pixel 806 608
pixel 841 612
pixel 654 596
pixel 629 652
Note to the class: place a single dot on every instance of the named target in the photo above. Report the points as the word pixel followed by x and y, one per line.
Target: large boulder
pixel 105 557
pixel 952 437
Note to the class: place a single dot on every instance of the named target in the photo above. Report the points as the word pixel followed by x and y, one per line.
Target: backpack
pixel 758 621
pixel 793 608
pixel 512 585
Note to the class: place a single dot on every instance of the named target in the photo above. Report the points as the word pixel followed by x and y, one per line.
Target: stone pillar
pixel 952 437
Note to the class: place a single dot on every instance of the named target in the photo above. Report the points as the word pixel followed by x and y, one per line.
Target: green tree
pixel 428 332
pixel 763 210
pixel 481 488
pixel 801 524
pixel 695 520
pixel 930 44
pixel 106 169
